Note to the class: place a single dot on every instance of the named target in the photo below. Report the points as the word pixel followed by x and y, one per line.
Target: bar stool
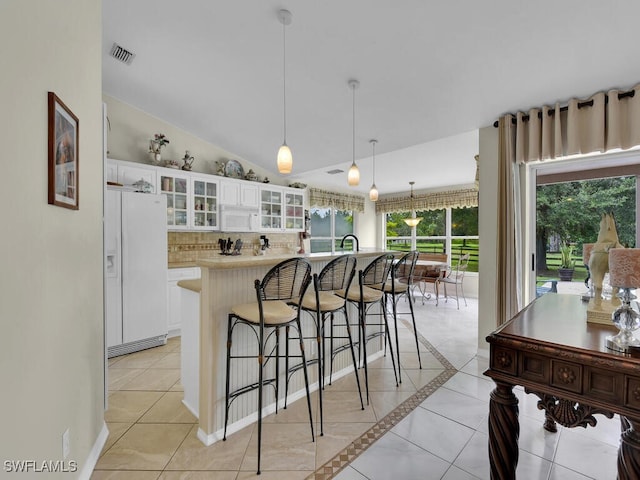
pixel 282 286
pixel 325 300
pixel 366 293
pixel 401 284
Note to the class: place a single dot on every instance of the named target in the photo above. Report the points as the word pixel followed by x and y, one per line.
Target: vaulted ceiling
pixel 431 74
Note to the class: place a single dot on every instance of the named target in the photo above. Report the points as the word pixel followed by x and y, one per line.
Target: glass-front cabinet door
pixel 271 208
pixel 294 211
pixel 205 203
pixel 176 188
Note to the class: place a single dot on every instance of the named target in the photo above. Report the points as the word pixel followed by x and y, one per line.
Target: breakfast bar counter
pixel 227 281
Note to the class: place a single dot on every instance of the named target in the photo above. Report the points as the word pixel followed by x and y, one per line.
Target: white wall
pixel 51 343
pixel 487 231
pixel 367 226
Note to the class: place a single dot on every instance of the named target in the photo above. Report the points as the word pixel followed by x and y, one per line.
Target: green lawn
pixel 457 246
pixel 471 247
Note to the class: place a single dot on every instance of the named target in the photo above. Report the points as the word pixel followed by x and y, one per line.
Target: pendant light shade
pixel 285 157
pixel 413 221
pixel 373 192
pixel 353 178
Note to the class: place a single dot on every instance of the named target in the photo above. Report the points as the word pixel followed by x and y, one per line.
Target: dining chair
pixel 429 274
pixel 367 293
pixel 456 278
pixel 282 286
pixel 400 286
pixel 324 301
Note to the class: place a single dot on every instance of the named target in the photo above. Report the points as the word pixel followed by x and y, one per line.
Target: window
pixel 328 226
pixel 453 231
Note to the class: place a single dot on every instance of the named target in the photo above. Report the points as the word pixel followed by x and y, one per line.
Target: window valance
pixel 467 197
pixel 341 201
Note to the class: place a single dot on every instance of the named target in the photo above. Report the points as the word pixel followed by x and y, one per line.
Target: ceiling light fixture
pixel 353 177
pixel 413 221
pixel 285 157
pixel 373 193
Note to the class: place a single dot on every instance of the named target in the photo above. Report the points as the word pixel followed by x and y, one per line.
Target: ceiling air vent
pixel 335 171
pixel 122 54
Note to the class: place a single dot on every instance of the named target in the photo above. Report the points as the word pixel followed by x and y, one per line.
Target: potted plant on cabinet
pixel 565 272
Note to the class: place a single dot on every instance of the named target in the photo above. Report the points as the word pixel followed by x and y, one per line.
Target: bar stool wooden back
pixel 280 289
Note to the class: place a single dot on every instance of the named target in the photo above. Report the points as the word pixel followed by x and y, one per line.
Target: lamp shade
pixel 624 267
pixel 285 159
pixel 353 177
pixel 412 222
pixel 373 193
pixel 586 252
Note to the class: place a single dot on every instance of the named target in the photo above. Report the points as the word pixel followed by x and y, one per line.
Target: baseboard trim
pixel 94 454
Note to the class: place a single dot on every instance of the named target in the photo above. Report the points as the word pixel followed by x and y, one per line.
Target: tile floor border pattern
pixel 358 446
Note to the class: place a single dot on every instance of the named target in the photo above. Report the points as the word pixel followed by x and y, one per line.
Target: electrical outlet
pixel 65 444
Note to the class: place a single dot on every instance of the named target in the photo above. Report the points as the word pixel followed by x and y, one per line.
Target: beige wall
pixel 487 231
pixel 51 344
pixel 131 129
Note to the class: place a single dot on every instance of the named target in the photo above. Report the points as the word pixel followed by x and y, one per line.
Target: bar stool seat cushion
pixel 398 286
pixel 329 301
pixel 276 312
pixel 369 294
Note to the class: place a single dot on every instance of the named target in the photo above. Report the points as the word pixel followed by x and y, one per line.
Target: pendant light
pixel 285 158
pixel 413 221
pixel 373 193
pixel 353 177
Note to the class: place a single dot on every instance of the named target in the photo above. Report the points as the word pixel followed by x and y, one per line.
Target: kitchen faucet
pixel 355 239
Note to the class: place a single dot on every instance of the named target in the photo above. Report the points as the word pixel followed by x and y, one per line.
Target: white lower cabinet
pixel 174 307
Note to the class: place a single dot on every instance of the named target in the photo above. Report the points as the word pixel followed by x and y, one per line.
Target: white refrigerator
pixel 135 270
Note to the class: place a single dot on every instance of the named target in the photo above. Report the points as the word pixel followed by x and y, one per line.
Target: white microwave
pixel 236 218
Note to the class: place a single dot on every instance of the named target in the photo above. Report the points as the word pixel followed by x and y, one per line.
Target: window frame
pixel 332 239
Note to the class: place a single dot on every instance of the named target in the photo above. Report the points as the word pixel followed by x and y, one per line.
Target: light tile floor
pixel 434 426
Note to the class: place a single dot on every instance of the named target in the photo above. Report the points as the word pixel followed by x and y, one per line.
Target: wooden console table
pixel 550 350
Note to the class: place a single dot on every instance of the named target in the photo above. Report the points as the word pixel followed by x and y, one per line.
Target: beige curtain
pixel 599 123
pixel 506 287
pixel 467 197
pixel 342 201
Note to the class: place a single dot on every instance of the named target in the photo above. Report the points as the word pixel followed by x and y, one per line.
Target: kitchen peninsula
pixel 228 281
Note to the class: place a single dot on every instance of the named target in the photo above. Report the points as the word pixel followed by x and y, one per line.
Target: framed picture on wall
pixel 63 155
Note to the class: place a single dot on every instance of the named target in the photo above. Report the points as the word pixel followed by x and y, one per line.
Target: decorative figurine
pixel 599 259
pixel 188 161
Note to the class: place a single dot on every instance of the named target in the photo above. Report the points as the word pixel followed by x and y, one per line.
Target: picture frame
pixel 63 154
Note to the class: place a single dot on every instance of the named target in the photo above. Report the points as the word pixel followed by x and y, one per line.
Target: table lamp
pixel 624 273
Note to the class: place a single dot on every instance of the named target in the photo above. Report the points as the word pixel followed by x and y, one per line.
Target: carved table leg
pixel 549 423
pixel 629 452
pixel 504 430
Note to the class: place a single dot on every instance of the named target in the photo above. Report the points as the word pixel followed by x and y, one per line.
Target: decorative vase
pixel 155 157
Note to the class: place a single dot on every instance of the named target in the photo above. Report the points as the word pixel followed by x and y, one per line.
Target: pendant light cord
pixel 354 124
pixel 374 162
pixel 284 80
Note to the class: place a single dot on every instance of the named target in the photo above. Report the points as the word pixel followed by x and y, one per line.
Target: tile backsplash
pixel 188 247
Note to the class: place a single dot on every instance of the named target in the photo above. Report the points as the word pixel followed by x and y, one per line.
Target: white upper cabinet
pixel 204 202
pixel 128 174
pixel 238 192
pixel 194 200
pixel 177 188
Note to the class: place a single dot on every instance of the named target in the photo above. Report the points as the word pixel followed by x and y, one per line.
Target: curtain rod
pixel 588 103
